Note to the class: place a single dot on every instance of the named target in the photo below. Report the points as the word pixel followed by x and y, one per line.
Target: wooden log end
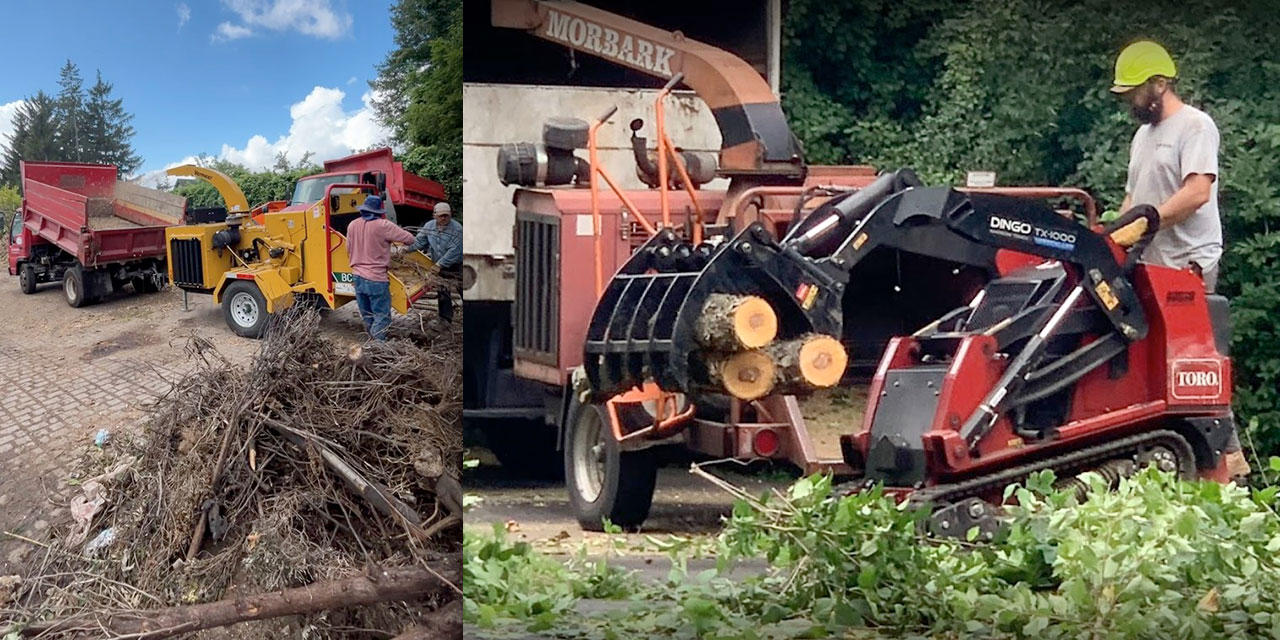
pixel 748 375
pixel 754 322
pixel 823 361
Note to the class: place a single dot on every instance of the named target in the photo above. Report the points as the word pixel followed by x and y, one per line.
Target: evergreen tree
pixel 34 136
pixel 107 130
pixel 69 112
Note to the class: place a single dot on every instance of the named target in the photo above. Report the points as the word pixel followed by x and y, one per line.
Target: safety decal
pixel 1107 296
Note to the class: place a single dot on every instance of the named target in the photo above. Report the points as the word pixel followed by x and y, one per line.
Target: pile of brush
pixel 325 474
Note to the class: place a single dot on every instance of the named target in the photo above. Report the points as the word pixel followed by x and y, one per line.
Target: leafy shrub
pixel 1155 558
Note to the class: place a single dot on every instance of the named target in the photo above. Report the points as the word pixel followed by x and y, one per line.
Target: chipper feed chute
pixel 410 275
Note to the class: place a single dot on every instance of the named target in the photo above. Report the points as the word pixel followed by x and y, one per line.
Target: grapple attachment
pixel 644 326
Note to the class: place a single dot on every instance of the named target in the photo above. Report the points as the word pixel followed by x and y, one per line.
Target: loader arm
pixel 755 136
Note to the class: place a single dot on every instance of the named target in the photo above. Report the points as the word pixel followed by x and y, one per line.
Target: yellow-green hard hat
pixel 1138 62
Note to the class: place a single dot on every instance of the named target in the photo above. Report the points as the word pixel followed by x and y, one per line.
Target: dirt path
pixel 70 372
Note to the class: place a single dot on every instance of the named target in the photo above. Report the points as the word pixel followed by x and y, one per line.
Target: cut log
pixel 730 323
pixel 812 361
pixel 408 583
pixel 746 375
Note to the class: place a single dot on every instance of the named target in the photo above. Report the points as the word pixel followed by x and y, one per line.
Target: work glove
pixel 399 250
pixel 1130 226
pixel 1128 235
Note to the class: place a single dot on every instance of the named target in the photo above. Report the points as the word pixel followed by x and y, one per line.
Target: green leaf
pixel 868 548
pixel 802 489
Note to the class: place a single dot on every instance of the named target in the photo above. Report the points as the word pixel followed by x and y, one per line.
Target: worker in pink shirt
pixel 369 240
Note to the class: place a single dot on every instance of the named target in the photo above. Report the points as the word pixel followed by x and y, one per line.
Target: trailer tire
pixel 27 279
pixel 245 309
pixel 603 480
pixel 73 287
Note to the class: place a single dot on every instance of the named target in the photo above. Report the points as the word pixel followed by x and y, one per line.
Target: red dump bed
pixel 403 188
pixel 84 211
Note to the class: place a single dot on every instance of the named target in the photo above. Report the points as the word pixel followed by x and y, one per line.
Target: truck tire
pixel 73 287
pixel 245 309
pixel 603 480
pixel 27 278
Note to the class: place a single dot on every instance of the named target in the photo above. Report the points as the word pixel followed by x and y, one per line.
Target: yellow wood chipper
pixel 259 265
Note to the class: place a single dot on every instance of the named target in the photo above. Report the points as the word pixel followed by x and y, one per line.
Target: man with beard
pixel 1173 166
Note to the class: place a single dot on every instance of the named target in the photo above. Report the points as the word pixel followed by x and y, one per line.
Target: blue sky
pixel 239 79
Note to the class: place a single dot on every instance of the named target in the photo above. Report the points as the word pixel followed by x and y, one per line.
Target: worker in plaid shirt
pixel 442 242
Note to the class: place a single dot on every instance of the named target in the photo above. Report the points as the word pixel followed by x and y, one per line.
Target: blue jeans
pixel 374 300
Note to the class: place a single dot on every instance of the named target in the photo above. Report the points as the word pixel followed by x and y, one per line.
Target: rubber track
pixel 1070 462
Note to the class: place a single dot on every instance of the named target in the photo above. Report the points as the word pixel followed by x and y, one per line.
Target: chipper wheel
pixel 245 309
pixel 603 480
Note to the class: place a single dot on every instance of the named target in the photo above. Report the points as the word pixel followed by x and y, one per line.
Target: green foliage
pixel 1020 87
pixel 69 113
pixel 32 138
pixel 10 199
pixel 1154 558
pixel 72 127
pixel 508 582
pixel 107 130
pixel 258 186
pixel 420 90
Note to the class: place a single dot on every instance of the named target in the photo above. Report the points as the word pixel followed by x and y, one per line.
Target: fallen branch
pixel 409 583
pixel 376 494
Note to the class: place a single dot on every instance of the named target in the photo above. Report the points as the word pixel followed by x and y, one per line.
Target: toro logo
pixel 1196 379
pixel 608 43
pixel 1016 226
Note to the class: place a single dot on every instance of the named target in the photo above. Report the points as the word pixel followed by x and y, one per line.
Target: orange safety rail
pixel 596 169
pixel 667 153
pixel 660 119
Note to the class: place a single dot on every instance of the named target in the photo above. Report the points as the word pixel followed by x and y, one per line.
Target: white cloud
pixel 308 17
pixel 228 31
pixel 7 112
pixel 351 80
pixel 320 125
pixel 184 14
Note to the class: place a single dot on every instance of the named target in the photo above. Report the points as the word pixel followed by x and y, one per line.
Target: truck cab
pixel 15 236
pixel 409 198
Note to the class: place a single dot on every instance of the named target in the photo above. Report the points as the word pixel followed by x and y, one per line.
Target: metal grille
pixel 188 265
pixel 537 306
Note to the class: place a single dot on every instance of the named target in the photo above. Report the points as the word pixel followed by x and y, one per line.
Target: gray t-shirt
pixel 1161 157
